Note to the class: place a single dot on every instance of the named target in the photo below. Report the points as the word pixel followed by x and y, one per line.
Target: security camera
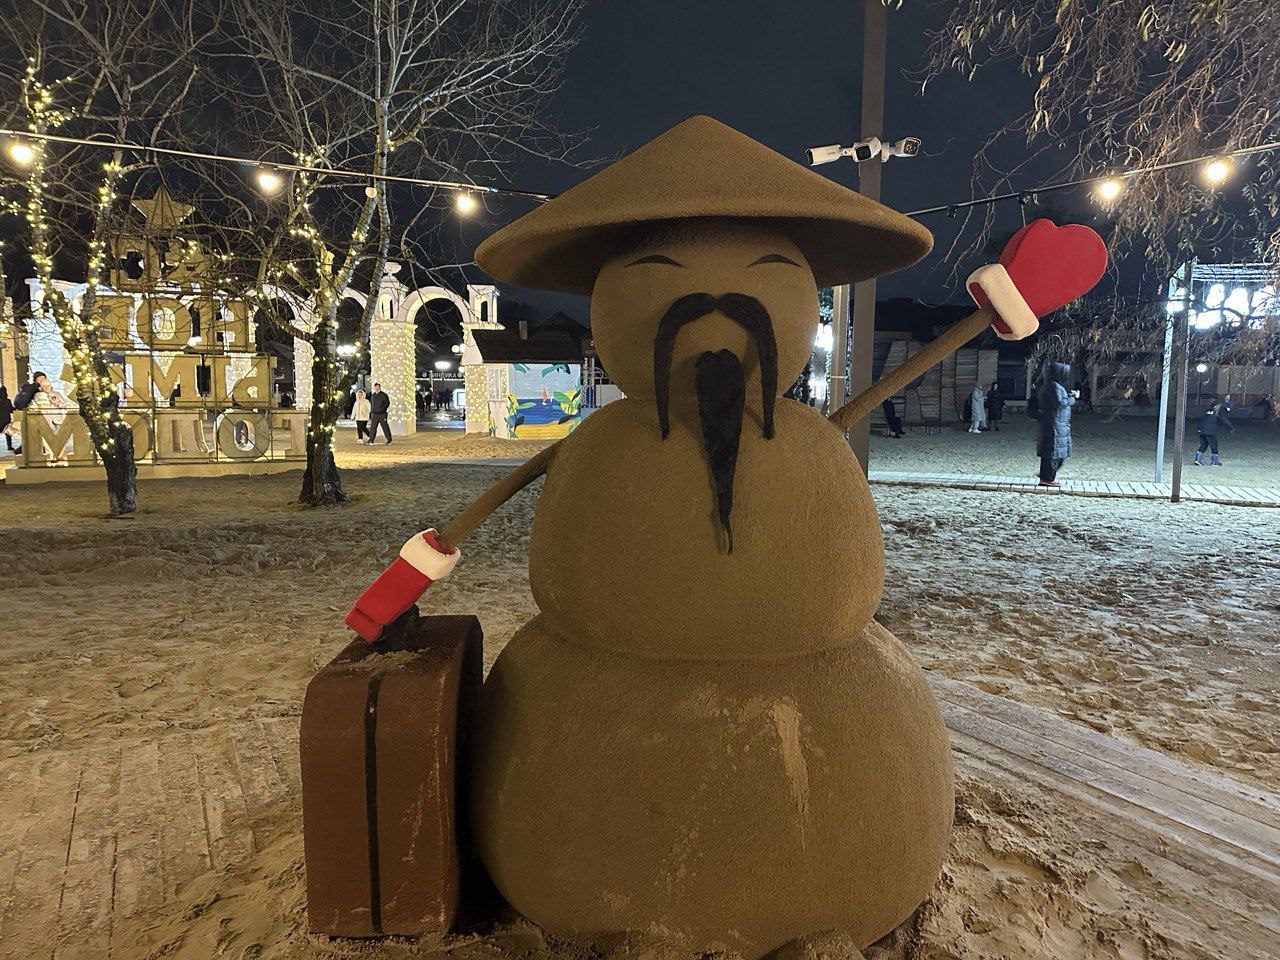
pixel 906 147
pixel 865 150
pixel 861 152
pixel 819 155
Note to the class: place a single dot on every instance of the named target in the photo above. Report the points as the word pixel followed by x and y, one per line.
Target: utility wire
pixel 267 165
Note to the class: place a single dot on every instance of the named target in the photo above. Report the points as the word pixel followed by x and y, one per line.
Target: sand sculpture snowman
pixel 704 734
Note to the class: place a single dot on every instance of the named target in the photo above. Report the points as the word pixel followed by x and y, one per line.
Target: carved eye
pixel 775 258
pixel 655 258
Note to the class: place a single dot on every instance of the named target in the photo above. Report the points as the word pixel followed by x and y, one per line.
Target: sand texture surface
pixel 214 607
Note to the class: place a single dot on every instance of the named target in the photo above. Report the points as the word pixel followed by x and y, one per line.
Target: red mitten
pixel 422 562
pixel 1043 267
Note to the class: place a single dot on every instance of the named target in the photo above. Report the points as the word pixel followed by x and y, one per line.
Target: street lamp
pixel 443 365
pixel 465 203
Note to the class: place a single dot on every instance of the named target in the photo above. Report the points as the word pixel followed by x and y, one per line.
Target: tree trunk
pixel 122 473
pixel 321 482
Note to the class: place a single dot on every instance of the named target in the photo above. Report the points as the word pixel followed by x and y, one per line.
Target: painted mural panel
pixel 544 400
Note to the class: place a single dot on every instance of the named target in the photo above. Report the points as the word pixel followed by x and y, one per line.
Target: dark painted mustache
pixel 747 312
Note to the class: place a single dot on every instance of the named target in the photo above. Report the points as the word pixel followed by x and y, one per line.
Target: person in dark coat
pixel 1053 444
pixel 6 416
pixel 995 406
pixel 379 407
pixel 891 418
pixel 1208 427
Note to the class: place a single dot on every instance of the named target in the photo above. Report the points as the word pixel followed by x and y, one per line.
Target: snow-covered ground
pixel 221 599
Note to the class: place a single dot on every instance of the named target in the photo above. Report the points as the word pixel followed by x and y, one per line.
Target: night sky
pixel 786 74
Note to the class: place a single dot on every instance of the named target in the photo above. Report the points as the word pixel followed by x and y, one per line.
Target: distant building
pixel 532 379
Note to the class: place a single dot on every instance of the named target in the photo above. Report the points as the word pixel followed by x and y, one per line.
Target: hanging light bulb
pixel 269 181
pixel 22 153
pixel 1110 189
pixel 1217 170
pixel 465 203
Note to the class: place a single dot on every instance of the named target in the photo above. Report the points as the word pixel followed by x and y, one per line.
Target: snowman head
pixel 706 285
pixel 717 309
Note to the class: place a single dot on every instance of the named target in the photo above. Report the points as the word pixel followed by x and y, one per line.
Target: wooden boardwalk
pixel 89 837
pixel 1129 489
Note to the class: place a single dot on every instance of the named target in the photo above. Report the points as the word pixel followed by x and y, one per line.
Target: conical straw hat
pixel 702 168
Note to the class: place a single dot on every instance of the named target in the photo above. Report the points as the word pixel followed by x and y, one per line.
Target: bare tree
pixel 117 72
pixel 1129 83
pixel 1122 84
pixel 438 89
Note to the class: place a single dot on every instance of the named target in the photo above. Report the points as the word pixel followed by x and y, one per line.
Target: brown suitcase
pixel 381 743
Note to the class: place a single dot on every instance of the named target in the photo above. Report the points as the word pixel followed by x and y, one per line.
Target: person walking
pixel 360 413
pixel 1053 443
pixel 995 407
pixel 379 408
pixel 6 416
pixel 891 418
pixel 1213 420
pixel 977 410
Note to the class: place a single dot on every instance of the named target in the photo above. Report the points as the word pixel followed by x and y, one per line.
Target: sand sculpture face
pixel 720 306
pixel 637 287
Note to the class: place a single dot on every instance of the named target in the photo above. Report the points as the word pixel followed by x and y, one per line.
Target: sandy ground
pixel 1122 449
pixel 221 600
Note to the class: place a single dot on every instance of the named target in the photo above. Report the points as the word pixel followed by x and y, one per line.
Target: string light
pixel 1109 190
pixel 1217 170
pixel 307 164
pixel 269 181
pixel 465 203
pixel 22 153
pixel 1227 159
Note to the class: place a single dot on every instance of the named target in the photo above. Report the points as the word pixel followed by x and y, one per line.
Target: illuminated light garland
pixel 307 163
pixel 1227 157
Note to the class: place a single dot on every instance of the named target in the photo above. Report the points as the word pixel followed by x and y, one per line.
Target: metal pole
pixel 874 29
pixel 1180 404
pixel 838 379
pixel 1162 422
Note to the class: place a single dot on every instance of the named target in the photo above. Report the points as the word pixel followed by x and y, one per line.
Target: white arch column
pixel 483 303
pixel 478 312
pixel 392 352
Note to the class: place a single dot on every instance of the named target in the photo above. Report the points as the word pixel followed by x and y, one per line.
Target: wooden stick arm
pixel 496 496
pixel 930 355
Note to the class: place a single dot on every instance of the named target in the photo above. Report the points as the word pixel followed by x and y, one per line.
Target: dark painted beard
pixel 721 390
pixel 720 385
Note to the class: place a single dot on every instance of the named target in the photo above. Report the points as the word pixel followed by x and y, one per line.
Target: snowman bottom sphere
pixel 735 804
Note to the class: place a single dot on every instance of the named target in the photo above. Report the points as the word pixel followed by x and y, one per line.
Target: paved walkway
pixel 90 837
pixel 1132 489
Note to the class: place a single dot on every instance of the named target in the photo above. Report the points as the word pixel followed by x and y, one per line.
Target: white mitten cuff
pixel 995 283
pixel 423 553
